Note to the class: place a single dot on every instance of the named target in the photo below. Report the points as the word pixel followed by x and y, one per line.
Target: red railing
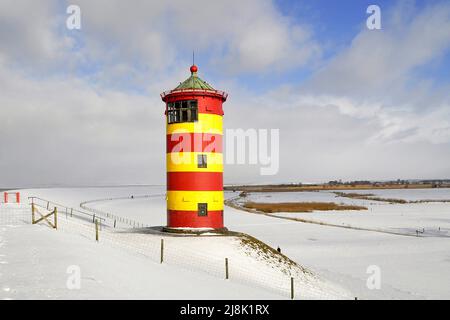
pixel 218 92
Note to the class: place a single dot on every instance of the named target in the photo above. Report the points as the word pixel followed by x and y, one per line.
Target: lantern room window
pixel 182 111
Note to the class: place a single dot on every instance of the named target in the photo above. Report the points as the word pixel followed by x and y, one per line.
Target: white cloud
pixel 28 34
pixel 378 60
pixel 242 36
pixel 376 77
pixel 320 141
pixel 357 119
pixel 66 132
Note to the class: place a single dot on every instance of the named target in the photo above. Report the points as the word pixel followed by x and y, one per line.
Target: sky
pixel 82 106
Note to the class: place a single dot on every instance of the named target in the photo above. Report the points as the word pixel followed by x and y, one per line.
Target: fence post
pixel 162 250
pixel 226 269
pixel 32 212
pixel 56 217
pixel 292 288
pixel 71 211
pixel 96 230
pixel 48 205
pixel 114 223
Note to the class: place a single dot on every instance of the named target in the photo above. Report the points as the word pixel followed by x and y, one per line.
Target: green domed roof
pixel 194 82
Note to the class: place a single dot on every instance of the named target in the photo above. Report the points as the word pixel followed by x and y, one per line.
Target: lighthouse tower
pixel 194 154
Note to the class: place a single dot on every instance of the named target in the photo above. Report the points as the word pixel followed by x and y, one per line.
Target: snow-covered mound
pixel 411 267
pixel 250 262
pixel 37 262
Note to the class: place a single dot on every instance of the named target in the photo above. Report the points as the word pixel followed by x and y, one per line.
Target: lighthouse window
pixel 202 209
pixel 201 161
pixel 182 111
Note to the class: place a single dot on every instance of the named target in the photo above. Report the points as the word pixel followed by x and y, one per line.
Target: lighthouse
pixel 194 159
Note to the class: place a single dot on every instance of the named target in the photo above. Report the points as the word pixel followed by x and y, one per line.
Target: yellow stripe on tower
pixel 189 200
pixel 209 123
pixel 188 162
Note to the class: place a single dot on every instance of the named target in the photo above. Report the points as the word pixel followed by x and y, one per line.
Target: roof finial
pixel 193 67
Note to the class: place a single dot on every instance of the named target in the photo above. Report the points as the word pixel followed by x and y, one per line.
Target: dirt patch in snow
pixel 299 206
pixel 369 196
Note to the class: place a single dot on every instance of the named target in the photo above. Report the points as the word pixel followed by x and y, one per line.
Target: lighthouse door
pixel 202 209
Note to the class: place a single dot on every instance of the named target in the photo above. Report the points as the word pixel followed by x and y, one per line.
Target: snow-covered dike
pixel 411 267
pixel 252 265
pixel 37 263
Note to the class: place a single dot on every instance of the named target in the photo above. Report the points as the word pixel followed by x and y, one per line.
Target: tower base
pixel 197 231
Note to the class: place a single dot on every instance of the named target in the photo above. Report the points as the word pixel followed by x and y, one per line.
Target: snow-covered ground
pixel 409 194
pixel 422 219
pixel 37 262
pixel 411 267
pixel 263 272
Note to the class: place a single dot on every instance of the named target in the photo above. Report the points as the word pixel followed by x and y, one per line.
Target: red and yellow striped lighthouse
pixel 194 154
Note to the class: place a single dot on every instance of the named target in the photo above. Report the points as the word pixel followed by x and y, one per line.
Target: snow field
pixel 207 255
pixel 246 265
pixel 35 263
pixel 411 267
pixel 415 219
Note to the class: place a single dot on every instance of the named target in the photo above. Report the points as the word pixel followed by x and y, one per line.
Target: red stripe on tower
pixel 207 101
pixel 194 181
pixel 180 219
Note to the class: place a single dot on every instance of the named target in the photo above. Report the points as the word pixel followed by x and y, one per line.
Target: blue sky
pixel 335 24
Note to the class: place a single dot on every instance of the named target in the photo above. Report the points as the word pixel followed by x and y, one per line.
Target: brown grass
pixel 318 187
pixel 369 196
pixel 431 200
pixel 299 206
pixel 363 196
